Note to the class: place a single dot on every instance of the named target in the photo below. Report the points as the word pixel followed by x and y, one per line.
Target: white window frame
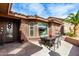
pixel 33 30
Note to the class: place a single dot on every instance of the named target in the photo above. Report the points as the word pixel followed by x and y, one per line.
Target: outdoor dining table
pixel 50 40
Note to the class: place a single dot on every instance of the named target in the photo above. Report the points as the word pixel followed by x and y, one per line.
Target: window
pixel 9 30
pixel 31 29
pixel 42 28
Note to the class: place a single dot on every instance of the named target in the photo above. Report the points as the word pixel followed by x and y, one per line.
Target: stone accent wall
pixel 54 28
pixel 24 30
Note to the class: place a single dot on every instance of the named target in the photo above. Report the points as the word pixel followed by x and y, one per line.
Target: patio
pixel 19 49
pixel 32 48
pixel 66 49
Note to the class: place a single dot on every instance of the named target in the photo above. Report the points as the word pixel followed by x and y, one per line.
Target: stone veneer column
pixel 24 29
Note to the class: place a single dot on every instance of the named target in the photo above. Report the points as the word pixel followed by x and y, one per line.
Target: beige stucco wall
pixel 67 27
pixel 77 31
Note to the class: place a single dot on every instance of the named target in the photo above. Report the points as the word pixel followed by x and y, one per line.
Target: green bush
pixel 71 34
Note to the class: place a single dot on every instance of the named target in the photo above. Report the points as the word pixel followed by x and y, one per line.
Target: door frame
pixel 17 24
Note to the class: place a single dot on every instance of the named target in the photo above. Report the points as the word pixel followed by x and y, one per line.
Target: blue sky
pixel 60 10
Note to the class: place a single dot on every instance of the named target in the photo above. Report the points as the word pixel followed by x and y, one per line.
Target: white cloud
pixel 60 10
pixel 46 10
pixel 37 8
pixel 60 16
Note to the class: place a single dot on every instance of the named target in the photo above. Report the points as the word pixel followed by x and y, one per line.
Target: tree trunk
pixel 70 29
pixel 75 30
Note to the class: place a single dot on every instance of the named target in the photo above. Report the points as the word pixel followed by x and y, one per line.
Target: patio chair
pixel 57 41
pixel 42 41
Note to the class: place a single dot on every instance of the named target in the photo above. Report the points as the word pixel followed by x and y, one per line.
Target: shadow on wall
pixel 74 51
pixel 23 37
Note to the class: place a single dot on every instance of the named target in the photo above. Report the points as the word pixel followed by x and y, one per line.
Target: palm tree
pixel 73 19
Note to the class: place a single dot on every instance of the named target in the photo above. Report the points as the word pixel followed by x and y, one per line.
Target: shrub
pixel 71 34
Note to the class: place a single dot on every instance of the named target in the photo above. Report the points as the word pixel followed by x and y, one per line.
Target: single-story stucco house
pixel 15 27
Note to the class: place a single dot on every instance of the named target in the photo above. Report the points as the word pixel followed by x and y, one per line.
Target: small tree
pixel 73 19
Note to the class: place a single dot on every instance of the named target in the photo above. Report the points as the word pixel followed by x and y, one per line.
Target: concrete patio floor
pixel 32 48
pixel 19 49
pixel 66 49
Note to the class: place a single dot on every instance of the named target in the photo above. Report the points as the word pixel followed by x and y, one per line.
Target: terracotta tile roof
pixel 49 19
pixel 27 16
pixel 55 19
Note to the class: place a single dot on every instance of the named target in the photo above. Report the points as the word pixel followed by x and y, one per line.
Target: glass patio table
pixel 50 41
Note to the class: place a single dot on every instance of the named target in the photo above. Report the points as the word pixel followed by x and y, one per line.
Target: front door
pixel 8 31
pixel 1 32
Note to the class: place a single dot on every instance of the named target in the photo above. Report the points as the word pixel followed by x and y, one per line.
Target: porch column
pixel 50 29
pixel 62 30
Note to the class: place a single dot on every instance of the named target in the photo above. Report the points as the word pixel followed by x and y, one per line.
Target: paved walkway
pixel 18 49
pixel 32 48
